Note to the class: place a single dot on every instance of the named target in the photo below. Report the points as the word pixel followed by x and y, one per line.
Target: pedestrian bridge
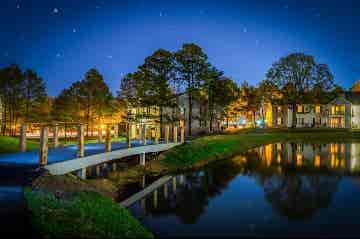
pixel 80 164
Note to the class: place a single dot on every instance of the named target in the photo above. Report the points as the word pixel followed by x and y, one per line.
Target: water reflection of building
pixel 343 156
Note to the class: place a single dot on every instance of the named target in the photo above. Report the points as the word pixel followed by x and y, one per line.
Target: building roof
pixel 340 100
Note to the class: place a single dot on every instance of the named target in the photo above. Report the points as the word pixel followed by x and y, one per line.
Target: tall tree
pixel 11 91
pixel 297 74
pixel 156 74
pixel 191 63
pixel 252 98
pixel 34 95
pixel 94 96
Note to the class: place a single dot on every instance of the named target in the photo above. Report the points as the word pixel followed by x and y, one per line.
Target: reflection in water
pixel 294 185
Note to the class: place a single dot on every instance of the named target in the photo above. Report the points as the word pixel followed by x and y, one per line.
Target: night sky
pixel 61 40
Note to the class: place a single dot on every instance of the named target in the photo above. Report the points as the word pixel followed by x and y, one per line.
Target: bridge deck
pixel 68 166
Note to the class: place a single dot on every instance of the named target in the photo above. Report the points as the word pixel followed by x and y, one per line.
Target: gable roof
pixel 340 100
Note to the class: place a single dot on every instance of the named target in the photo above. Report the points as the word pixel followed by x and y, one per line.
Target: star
pixel 110 56
pixel 18 6
pixel 161 14
pixel 74 30
pixel 245 30
pixel 56 11
pixel 58 55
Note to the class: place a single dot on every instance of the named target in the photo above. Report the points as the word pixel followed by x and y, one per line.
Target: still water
pixel 277 189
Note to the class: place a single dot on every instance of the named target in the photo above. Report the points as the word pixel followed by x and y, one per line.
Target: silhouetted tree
pixel 297 74
pixel 191 63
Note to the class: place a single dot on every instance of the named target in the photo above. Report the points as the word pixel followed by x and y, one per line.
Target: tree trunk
pixel 293 120
pixel 161 121
pixel 190 113
pixel 254 122
pixel 65 136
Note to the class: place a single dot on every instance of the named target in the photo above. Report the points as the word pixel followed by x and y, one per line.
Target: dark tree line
pixel 166 75
pixel 23 96
pixel 88 101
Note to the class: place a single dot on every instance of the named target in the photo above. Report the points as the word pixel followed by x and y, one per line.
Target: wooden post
pixel 174 184
pixel 114 166
pixel 142 159
pixel 56 135
pixel 81 143
pixel 166 192
pixel 143 181
pixel 100 132
pixel 140 133
pixel 167 132
pixel 155 198
pixel 116 131
pixel 82 173
pixel 108 139
pixel 23 138
pixel 143 205
pixel 175 134
pixel 97 170
pixel 43 154
pixel 157 135
pixel 182 135
pixel 128 134
pixel 144 134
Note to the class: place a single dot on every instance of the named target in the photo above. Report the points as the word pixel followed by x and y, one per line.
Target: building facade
pixel 341 112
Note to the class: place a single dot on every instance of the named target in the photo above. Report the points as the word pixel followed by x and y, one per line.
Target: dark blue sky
pixel 61 40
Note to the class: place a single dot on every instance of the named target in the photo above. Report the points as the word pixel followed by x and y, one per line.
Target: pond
pixel 277 189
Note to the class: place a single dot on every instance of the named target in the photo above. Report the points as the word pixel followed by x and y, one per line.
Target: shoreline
pixel 190 156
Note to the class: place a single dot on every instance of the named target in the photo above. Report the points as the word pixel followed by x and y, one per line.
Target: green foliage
pixel 87 101
pixel 21 95
pixel 297 76
pixel 191 65
pixel 86 214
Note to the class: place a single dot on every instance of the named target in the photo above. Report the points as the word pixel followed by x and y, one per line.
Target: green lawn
pixel 11 144
pixel 85 215
pixel 209 148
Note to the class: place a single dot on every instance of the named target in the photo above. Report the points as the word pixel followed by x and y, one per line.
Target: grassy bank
pixel 68 207
pixel 12 144
pixel 209 148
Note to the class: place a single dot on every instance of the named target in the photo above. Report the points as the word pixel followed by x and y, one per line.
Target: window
pixel 317 109
pixel 300 109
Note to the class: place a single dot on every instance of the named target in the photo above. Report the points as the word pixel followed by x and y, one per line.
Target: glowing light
pixel 317 161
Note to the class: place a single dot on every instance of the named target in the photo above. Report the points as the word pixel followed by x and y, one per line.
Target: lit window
pixel 317 109
pixel 300 108
pixel 317 161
